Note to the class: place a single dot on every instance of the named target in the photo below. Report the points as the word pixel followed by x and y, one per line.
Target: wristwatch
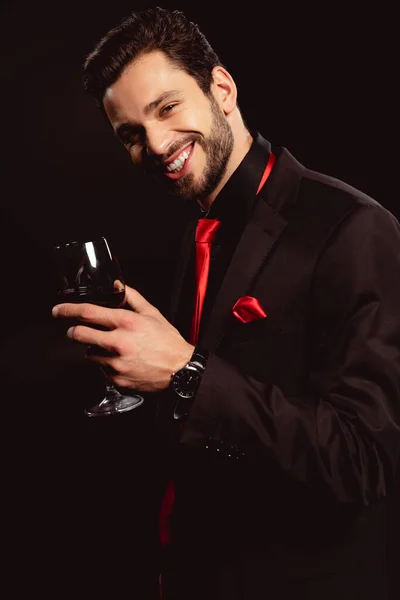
pixel 186 381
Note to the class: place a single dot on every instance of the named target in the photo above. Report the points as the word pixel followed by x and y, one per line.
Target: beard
pixel 217 147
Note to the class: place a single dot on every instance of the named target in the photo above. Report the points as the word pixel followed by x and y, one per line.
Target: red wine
pixel 109 299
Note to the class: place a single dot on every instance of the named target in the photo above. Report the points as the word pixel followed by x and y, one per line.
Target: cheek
pixel 196 118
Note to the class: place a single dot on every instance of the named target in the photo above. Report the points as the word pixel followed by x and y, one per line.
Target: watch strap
pixel 199 360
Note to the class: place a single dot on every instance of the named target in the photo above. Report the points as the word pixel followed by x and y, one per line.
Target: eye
pixel 167 109
pixel 129 141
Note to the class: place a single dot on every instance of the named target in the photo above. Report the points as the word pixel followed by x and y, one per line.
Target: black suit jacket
pixel 285 462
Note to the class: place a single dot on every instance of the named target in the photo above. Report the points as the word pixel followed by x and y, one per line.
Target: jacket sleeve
pixel 343 434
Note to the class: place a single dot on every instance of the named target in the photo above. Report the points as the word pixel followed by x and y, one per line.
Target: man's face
pixel 170 128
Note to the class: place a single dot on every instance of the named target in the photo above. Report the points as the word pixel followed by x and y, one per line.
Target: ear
pixel 224 89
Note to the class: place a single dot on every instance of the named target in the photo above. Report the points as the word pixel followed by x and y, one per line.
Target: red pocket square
pixel 248 309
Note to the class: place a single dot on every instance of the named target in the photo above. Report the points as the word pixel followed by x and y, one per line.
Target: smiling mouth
pixel 174 167
pixel 178 164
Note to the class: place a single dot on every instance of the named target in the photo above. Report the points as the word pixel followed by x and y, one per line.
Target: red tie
pixel 205 235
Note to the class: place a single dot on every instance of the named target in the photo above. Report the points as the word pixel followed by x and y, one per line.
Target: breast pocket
pixel 246 345
pixel 265 350
pixel 253 332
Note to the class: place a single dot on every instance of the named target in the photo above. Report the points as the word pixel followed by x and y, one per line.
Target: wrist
pixel 183 359
pixel 186 381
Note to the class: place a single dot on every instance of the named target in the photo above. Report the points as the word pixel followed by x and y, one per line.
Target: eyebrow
pixel 162 98
pixel 127 127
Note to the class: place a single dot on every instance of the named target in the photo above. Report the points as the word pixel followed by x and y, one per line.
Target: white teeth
pixel 178 163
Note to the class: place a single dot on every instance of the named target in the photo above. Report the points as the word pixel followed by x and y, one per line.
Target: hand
pixel 142 349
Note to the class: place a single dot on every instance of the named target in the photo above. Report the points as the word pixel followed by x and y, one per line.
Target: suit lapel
pixel 258 238
pixel 261 234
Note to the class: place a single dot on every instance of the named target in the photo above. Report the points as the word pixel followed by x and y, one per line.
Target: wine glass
pixel 89 272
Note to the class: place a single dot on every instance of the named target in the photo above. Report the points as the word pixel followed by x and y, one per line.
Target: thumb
pixel 137 302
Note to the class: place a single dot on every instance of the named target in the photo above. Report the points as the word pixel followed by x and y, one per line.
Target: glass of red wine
pixel 89 272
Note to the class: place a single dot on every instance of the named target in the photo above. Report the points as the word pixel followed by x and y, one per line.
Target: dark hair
pixel 142 32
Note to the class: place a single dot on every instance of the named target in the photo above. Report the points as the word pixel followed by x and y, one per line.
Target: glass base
pixel 114 402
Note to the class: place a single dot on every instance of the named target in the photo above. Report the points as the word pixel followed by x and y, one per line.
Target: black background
pixel 320 82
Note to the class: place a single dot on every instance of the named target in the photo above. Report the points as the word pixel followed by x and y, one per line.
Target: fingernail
pixel 54 311
pixel 70 332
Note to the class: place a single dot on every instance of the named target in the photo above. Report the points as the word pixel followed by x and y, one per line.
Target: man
pixel 283 401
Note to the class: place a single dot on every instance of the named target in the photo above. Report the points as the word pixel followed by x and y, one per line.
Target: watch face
pixel 186 382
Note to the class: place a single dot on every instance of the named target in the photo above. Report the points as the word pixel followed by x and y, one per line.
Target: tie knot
pixel 206 230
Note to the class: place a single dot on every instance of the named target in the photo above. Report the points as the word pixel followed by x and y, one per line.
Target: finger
pixel 137 301
pixel 118 285
pixel 106 363
pixel 88 313
pixel 101 360
pixel 91 337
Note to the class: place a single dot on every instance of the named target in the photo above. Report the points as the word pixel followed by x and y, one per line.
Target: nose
pixel 157 140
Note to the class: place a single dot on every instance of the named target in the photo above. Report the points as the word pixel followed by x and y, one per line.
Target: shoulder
pixel 304 193
pixel 323 193
pixel 329 188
